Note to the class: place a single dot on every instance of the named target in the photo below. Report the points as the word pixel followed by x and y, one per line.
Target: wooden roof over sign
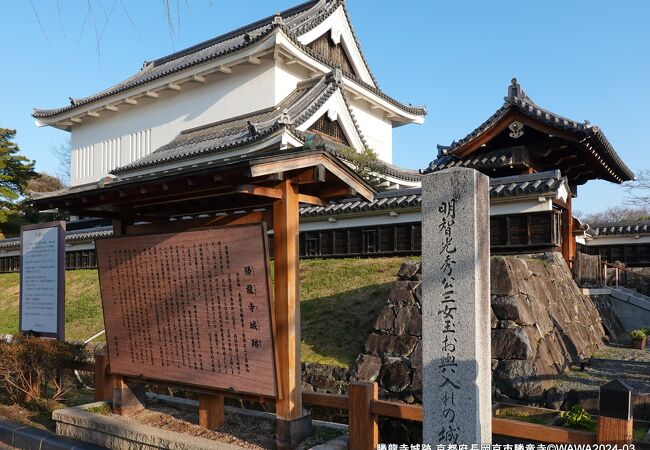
pixel 221 186
pixel 525 134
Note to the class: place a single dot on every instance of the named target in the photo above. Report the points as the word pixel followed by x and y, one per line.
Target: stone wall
pixel 541 323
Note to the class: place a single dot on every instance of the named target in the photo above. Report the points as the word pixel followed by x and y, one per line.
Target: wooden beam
pixel 174 87
pixel 224 69
pixel 254 60
pixel 287 303
pixel 337 192
pixel 198 78
pixel 335 401
pixel 403 411
pixel 130 101
pixel 541 433
pixel 311 199
pixel 76 119
pixel 152 94
pixel 92 114
pixel 314 174
pixel 111 107
pixel 195 224
pixel 260 191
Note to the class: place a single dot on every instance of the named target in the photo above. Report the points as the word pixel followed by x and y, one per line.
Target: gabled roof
pixel 244 130
pixel 587 135
pixel 293 22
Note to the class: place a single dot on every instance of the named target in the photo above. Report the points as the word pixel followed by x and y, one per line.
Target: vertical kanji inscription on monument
pixel 192 308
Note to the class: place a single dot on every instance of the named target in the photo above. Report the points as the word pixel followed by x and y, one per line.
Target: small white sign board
pixel 42 279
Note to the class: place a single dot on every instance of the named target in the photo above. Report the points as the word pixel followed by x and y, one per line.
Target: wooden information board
pixel 191 308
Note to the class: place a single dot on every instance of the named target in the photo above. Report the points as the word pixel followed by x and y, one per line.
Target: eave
pixel 276 44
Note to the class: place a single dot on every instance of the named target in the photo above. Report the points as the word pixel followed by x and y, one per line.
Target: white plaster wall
pixel 287 78
pixel 377 130
pixel 117 138
pixel 523 206
pixel 619 240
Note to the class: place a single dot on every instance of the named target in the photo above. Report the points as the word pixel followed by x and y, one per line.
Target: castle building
pixel 298 81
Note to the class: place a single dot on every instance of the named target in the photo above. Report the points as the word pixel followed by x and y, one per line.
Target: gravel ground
pixel 612 361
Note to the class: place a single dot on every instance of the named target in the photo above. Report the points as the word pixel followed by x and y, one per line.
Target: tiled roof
pixel 71 236
pixel 621 228
pixel 495 158
pixel 522 185
pixel 294 110
pixel 293 22
pixel 534 183
pixel 519 101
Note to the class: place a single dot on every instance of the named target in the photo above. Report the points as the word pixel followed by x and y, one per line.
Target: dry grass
pixel 340 301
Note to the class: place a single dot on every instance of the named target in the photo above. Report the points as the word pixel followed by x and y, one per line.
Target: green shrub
pixel 29 366
pixel 638 335
pixel 578 418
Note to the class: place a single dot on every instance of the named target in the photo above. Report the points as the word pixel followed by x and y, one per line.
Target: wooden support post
pixel 128 398
pixel 615 414
pixel 568 241
pixel 363 425
pixel 211 414
pixel 293 425
pixel 103 380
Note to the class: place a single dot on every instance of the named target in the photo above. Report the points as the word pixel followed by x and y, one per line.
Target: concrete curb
pixel 32 438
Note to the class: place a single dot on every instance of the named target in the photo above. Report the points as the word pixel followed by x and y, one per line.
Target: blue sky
pixel 585 59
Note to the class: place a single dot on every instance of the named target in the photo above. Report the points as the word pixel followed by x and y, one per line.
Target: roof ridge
pixel 236 32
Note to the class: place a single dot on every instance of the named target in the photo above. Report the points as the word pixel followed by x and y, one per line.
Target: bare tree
pixel 62 153
pixel 97 16
pixel 638 191
pixel 615 214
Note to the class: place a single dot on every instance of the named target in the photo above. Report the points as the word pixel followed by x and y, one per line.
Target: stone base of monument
pixel 86 423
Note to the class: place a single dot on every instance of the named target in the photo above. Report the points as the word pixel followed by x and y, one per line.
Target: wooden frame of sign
pixel 29 321
pixel 192 308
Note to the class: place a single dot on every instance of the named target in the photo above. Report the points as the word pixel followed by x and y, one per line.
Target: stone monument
pixel 456 307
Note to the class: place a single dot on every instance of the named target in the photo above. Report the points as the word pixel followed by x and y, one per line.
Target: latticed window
pixel 335 53
pixel 330 128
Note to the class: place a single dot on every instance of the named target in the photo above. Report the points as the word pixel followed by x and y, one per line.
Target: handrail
pixel 625 269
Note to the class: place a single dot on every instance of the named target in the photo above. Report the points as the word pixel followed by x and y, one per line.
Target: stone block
pixel 409 270
pixel 401 294
pixel 30 438
pixel 395 375
pixel 385 320
pixel 511 343
pixel 408 321
pixel 416 356
pixel 380 344
pixel 366 368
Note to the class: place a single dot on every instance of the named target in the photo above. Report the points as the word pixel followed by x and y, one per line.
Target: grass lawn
pixel 340 299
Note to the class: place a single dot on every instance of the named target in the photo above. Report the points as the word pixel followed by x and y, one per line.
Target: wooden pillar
pixel 363 430
pixel 128 398
pixel 103 380
pixel 292 429
pixel 568 241
pixel 615 414
pixel 211 411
